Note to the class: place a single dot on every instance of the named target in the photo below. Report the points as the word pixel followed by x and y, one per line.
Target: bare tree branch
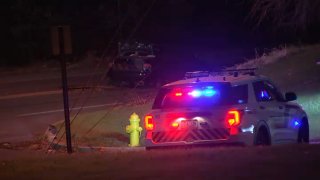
pixel 296 14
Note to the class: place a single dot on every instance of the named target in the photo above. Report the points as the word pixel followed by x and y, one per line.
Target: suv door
pixel 271 109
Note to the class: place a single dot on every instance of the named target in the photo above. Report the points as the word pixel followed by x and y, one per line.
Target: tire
pixel 303 133
pixel 262 137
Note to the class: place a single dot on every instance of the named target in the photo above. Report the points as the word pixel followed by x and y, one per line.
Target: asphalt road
pixel 28 106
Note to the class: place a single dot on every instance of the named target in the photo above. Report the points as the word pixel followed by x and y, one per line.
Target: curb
pixel 51 132
pixel 109 149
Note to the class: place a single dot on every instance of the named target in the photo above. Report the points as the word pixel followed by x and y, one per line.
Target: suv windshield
pixel 200 95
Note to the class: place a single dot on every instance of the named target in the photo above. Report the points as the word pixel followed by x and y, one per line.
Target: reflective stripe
pixel 190 135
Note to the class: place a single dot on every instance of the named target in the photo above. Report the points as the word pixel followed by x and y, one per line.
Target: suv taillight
pixel 233 118
pixel 149 122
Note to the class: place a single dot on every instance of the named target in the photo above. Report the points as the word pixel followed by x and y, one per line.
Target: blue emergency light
pixel 296 123
pixel 208 91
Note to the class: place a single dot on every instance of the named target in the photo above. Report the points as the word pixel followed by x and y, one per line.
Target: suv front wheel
pixel 303 133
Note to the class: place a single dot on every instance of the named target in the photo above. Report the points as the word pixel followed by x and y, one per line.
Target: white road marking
pixel 51 92
pixel 61 110
pixel 31 94
pixel 46 77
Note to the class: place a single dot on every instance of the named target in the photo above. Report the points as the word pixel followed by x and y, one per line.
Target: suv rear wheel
pixel 262 138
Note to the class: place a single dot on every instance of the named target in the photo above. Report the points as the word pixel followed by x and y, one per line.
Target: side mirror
pixel 291 96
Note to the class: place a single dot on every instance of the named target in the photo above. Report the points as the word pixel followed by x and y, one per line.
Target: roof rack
pixel 227 72
pixel 196 74
pixel 236 72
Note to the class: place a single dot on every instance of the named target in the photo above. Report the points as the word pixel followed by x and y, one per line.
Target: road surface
pixel 28 106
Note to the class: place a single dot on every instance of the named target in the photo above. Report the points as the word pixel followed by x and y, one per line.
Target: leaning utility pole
pixel 61 46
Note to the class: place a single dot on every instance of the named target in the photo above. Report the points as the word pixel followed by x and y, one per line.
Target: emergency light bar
pixel 207 91
pixel 227 72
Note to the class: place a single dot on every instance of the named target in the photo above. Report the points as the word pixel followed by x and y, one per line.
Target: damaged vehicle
pixel 134 66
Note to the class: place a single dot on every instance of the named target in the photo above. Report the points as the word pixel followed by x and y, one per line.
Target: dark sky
pixel 191 30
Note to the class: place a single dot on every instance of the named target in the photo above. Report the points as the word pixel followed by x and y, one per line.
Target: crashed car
pixel 134 66
pixel 230 107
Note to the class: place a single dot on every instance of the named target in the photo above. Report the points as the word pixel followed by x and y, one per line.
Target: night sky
pixel 214 32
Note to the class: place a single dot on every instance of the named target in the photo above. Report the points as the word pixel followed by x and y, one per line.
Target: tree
pixel 297 14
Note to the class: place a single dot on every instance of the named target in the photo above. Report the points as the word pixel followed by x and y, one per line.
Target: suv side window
pixel 238 94
pixel 265 91
pixel 274 91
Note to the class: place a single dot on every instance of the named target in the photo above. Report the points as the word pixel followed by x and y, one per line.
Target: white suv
pixel 234 106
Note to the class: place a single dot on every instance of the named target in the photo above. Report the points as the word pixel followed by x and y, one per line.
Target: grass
pixel 278 162
pixel 296 71
pixel 103 128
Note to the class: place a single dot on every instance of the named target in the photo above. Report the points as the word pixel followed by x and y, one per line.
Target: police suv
pixel 226 107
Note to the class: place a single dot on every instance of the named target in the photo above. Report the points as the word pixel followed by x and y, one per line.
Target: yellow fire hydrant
pixel 134 130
